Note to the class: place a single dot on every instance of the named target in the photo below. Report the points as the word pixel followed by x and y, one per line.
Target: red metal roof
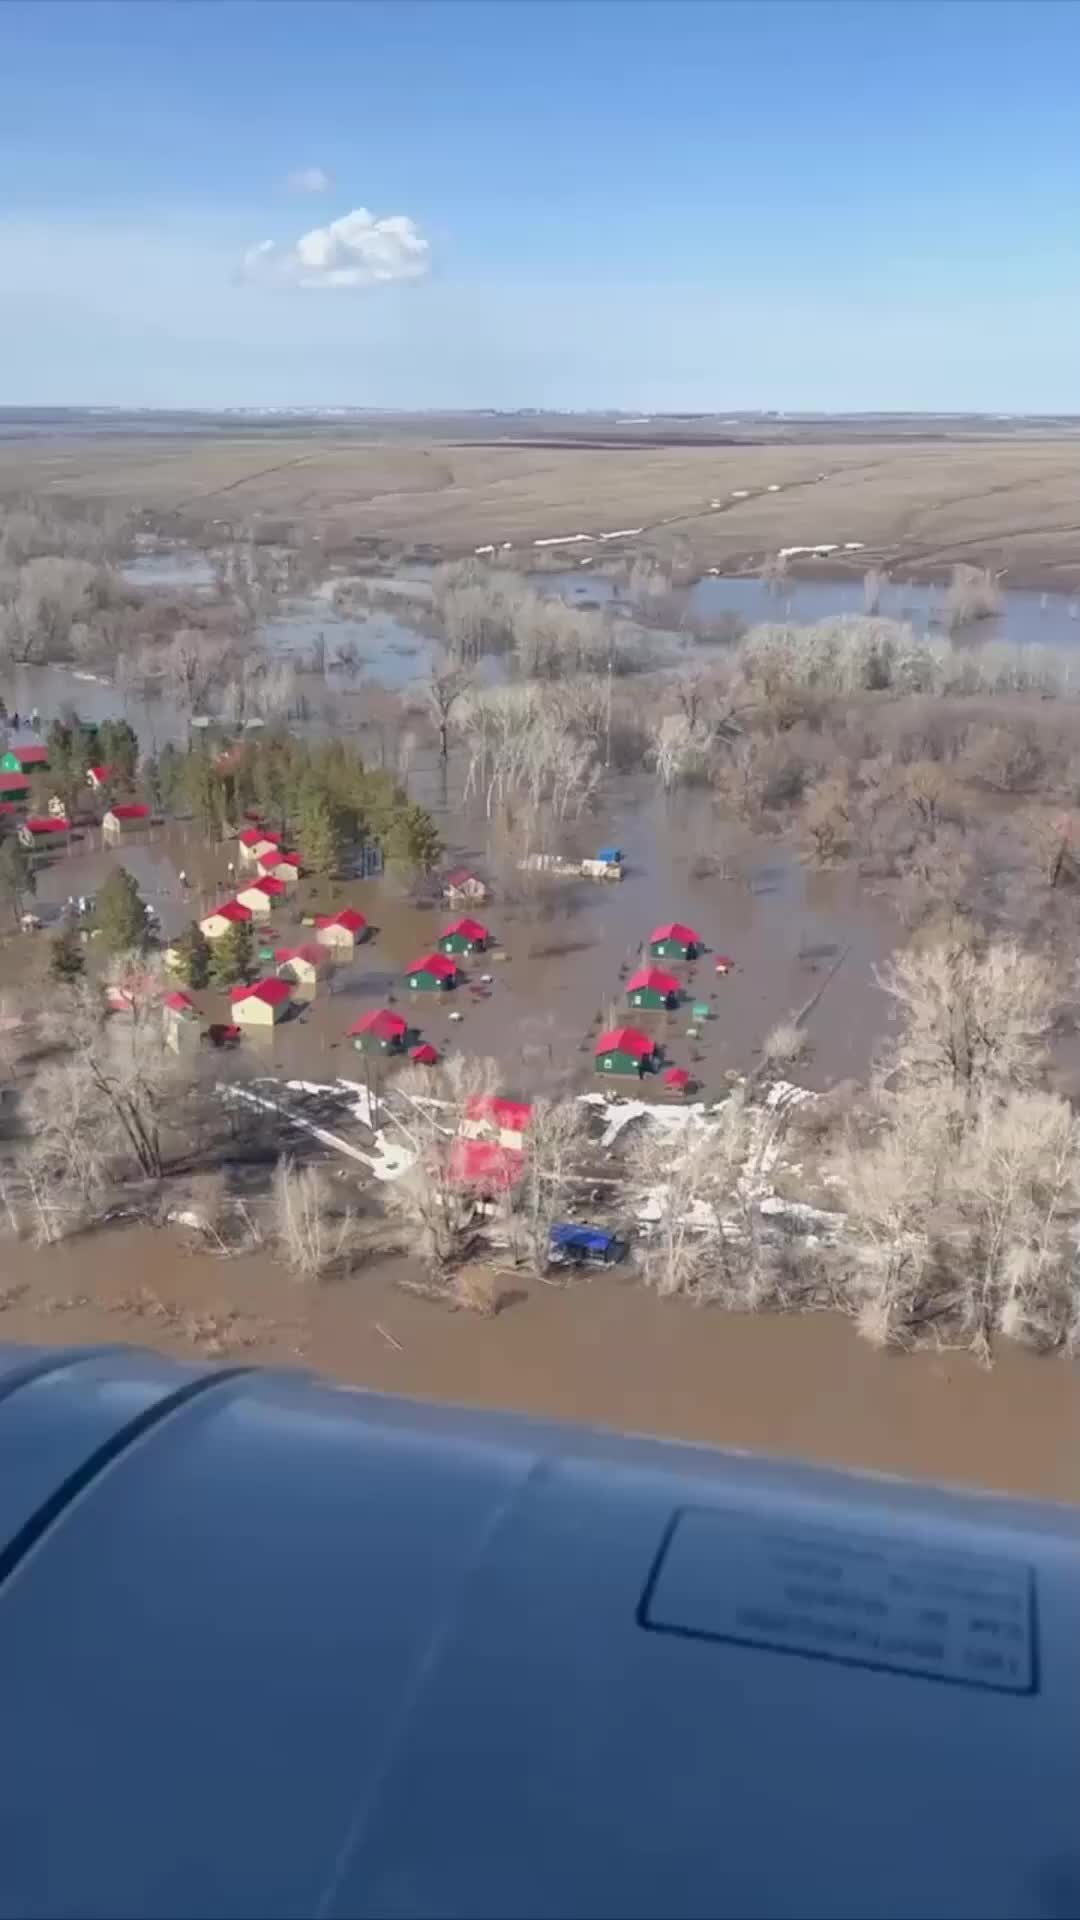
pixel 270 887
pixel 316 955
pixel 31 756
pixel 675 1077
pixel 675 930
pixel 346 917
pixel 42 825
pixel 100 774
pixel 130 810
pixel 468 929
pixel 232 910
pixel 178 1002
pixel 654 978
pixel 435 963
pixel 461 875
pixel 270 992
pixel 483 1163
pixel 424 1055
pixel 254 836
pixel 512 1114
pixel 14 782
pixel 381 1022
pixel 625 1040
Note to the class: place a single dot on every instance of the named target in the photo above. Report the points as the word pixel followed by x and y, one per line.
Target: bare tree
pixel 552 1155
pixel 312 1233
pixel 686 1184
pixel 442 691
pixel 437 1200
pixel 973 1018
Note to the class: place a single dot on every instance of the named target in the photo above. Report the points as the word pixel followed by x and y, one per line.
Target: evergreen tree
pixel 119 748
pixel 233 955
pixel 16 875
pixel 121 913
pixel 203 794
pixel 195 956
pixel 412 840
pixel 169 775
pixel 67 959
pixel 320 832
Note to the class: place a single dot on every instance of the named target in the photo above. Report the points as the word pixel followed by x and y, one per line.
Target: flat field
pixel 915 505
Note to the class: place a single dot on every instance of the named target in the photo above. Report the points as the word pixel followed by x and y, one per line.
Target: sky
pixel 685 205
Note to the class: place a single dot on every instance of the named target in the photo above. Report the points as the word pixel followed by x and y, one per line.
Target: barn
pixel 432 974
pixel 379 1031
pixel 464 884
pixel 344 929
pixel 261 1005
pixel 464 936
pixel 625 1050
pixel 651 987
pixel 126 818
pixel 673 941
pixel 255 843
pixel 304 965
pixel 261 896
pixel 231 914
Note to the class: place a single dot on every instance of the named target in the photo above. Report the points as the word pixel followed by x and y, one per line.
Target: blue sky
pixel 827 203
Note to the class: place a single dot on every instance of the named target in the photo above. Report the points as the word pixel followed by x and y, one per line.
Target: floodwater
pixel 602 1351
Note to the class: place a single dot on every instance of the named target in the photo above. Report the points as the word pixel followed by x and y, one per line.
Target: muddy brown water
pixel 604 1352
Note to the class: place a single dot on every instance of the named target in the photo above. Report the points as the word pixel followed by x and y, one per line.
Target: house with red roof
pixel 378 1031
pixel 674 941
pixel 653 988
pixel 491 1116
pixel 676 1079
pixel 275 865
pixel 424 1055
pixel 625 1050
pixel 464 936
pixel 483 1165
pixel 124 817
pixel 255 843
pixel 98 777
pixel 344 929
pixel 39 831
pixel 431 974
pixel 230 914
pixel 260 1005
pixel 304 965
pixel 23 759
pixel 463 884
pixel 14 786
pixel 260 896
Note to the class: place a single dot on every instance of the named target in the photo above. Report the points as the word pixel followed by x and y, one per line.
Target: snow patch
pixel 555 540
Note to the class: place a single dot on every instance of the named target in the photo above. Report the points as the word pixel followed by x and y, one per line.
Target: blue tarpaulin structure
pixel 613 856
pixel 583 1243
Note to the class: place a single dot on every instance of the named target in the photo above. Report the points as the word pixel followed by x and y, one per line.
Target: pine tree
pixel 119 748
pixel 194 956
pixel 203 793
pixel 412 840
pixel 233 955
pixel 16 876
pixel 320 833
pixel 121 913
pixel 67 960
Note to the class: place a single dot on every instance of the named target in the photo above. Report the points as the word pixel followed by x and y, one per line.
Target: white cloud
pixel 309 180
pixel 355 251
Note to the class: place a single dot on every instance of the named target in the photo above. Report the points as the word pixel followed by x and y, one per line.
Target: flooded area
pixel 604 1351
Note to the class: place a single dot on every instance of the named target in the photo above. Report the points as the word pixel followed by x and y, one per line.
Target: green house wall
pixel 457 943
pixel 618 1063
pixel 648 997
pixel 427 982
pixel 670 950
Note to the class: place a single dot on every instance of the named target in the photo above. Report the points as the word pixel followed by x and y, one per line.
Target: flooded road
pixel 604 1352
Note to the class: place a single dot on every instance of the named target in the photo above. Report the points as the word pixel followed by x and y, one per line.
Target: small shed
pixel 674 941
pixel 464 936
pixel 379 1031
pixel 573 1245
pixel 424 1055
pixel 39 832
pixel 651 987
pixel 255 843
pixel 261 1005
pixel 126 818
pixel 492 1116
pixel 345 929
pixel 179 1004
pixel 305 965
pixel 676 1079
pixel 463 884
pixel 99 777
pixel 231 914
pixel 625 1050
pixel 432 974
pixel 13 786
pixel 605 864
pixel 23 759
pixel 260 895
pixel 724 963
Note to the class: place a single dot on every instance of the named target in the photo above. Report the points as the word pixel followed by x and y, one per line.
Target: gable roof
pixel 100 774
pixel 676 1077
pixel 178 1002
pixel 31 756
pixel 270 992
pixel 346 917
pixel 462 874
pixel 626 1040
pixel 42 825
pixel 483 1163
pixel 381 1022
pixel 129 810
pixel 310 951
pixel 654 978
pixel 676 930
pixel 435 963
pixel 258 836
pixel 267 886
pixel 13 782
pixel 514 1115
pixel 468 930
pixel 424 1055
pixel 231 910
